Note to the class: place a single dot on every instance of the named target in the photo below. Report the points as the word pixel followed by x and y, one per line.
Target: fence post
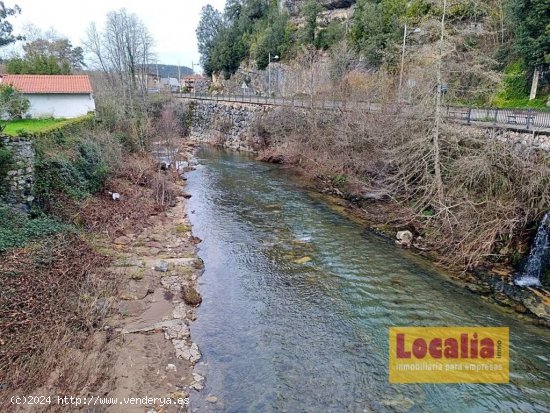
pixel 529 114
pixel 496 116
pixel 469 115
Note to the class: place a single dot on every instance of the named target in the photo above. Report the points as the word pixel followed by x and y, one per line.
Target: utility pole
pixel 269 72
pixel 195 80
pixel 405 34
pixel 158 77
pixel 179 74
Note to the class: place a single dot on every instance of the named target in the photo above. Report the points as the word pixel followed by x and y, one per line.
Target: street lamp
pixel 275 58
pixel 405 33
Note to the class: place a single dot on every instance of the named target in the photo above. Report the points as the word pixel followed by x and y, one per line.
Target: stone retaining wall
pixel 234 125
pixel 20 178
pixel 228 124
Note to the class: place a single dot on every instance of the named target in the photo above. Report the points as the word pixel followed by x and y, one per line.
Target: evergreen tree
pixel 532 18
pixel 6 28
pixel 210 26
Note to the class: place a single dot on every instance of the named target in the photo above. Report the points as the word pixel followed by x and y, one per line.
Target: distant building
pixel 54 96
pixel 170 83
pixel 193 82
pixel 149 82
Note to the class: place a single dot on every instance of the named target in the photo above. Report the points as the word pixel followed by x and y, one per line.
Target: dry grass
pixel 494 192
pixel 144 188
pixel 54 294
pixel 53 297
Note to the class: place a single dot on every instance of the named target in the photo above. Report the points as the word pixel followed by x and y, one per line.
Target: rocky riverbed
pixel 149 343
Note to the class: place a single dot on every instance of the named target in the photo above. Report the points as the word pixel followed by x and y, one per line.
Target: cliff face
pixel 294 6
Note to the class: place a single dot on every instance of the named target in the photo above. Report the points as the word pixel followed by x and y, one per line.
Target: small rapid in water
pixel 298 299
pixel 538 257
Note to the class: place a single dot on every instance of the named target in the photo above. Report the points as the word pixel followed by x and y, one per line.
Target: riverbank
pixel 120 295
pixel 157 301
pixel 380 214
pixel 147 336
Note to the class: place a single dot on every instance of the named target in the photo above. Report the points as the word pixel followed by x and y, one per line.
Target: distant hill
pixel 170 70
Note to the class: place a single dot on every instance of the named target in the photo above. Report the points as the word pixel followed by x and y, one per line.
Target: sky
pixel 172 23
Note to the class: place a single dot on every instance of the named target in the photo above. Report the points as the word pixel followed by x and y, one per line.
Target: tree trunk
pixel 534 84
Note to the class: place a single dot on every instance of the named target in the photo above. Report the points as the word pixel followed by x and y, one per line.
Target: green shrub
pixel 339 180
pixel 76 177
pixel 17 229
pixel 467 10
pixel 514 86
pixel 91 166
pixel 330 35
pixel 418 9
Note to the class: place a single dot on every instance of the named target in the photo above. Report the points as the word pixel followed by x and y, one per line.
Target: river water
pixel 279 334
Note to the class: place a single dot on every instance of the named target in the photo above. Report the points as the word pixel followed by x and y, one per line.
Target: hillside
pixel 170 70
pixel 490 49
pixel 295 6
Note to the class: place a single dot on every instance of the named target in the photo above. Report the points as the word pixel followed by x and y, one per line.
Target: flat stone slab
pixel 174 283
pixel 173 329
pixel 187 351
pixel 135 290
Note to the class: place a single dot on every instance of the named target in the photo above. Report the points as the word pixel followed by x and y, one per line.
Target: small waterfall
pixel 538 256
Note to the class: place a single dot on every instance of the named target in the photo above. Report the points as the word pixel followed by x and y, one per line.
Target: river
pixel 279 334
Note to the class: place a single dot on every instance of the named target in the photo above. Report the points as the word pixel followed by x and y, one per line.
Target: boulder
pixel 191 296
pixel 162 266
pixel 404 238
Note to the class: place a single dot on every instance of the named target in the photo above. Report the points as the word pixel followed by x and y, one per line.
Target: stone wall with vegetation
pixel 239 126
pixel 18 177
pixel 228 124
pixel 24 157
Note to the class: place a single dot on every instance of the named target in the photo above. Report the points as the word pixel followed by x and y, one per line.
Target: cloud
pixel 171 23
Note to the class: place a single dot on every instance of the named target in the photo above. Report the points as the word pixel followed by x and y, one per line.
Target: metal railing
pixel 521 119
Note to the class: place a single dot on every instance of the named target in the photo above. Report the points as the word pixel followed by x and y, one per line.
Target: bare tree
pixel 123 49
pixel 308 58
pixel 123 52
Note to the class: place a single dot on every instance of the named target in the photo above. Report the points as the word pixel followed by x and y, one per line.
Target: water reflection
pixel 280 332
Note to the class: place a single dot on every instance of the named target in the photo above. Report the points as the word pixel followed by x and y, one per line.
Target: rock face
pixel 294 6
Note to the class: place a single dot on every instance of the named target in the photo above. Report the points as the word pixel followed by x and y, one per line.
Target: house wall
pixel 60 105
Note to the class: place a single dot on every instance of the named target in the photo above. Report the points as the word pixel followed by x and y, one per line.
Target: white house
pixel 54 96
pixel 170 83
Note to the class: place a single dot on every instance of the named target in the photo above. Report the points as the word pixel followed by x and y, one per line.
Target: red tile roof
pixel 49 83
pixel 192 77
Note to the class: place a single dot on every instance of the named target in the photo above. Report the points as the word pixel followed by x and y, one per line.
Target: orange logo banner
pixel 449 355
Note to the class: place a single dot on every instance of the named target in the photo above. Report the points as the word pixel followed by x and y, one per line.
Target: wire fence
pixel 523 119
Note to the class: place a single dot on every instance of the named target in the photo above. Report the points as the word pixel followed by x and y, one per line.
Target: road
pixel 517 119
